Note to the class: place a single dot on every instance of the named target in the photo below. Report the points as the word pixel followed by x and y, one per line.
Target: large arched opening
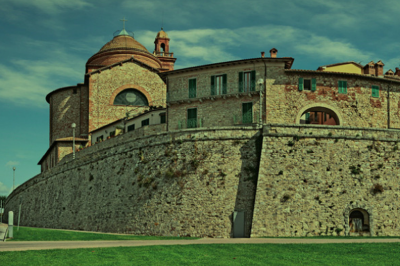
pixel 319 115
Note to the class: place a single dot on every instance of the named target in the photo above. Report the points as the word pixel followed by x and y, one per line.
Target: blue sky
pixel 44 45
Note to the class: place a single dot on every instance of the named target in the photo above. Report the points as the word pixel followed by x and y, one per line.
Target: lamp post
pixel 260 82
pixel 13 178
pixel 73 140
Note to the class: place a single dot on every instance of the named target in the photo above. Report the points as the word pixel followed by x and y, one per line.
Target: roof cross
pixel 124 22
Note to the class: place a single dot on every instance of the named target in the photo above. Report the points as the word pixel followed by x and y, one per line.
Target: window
pixel 342 86
pixel 131 127
pixel 218 85
pixel 131 97
pixel 112 133
pixel 307 84
pixel 145 122
pixel 162 118
pixel 98 139
pixel 192 88
pixel 247 113
pixel 192 118
pixel 247 81
pixel 375 91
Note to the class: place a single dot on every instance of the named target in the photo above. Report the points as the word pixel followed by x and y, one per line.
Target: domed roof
pixel 122 42
pixel 123 46
pixel 162 34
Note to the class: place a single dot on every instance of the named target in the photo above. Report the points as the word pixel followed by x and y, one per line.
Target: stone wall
pixel 65 109
pixel 178 183
pixel 300 180
pixel 105 86
pixel 312 176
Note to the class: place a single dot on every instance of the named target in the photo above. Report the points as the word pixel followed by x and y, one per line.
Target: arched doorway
pixel 359 221
pixel 319 116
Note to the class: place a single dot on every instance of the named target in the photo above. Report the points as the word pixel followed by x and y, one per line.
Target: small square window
pixel 112 133
pixel 98 139
pixel 162 118
pixel 131 127
pixel 145 122
pixel 375 91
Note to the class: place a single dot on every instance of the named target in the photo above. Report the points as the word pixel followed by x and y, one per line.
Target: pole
pixel 19 215
pixel 73 140
pixel 13 178
pixel 1 208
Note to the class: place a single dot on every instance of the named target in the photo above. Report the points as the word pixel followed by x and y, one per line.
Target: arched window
pixel 131 97
pixel 163 47
pixel 319 116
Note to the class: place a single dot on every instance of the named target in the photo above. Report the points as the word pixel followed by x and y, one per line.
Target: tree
pixel 3 198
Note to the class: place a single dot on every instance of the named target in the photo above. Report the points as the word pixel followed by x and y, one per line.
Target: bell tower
pixel 161 51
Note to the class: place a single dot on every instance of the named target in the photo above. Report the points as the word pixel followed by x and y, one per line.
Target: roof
pixel 120 47
pixel 69 139
pixel 162 34
pixel 287 60
pixel 132 59
pixel 339 74
pixel 342 63
pixel 122 41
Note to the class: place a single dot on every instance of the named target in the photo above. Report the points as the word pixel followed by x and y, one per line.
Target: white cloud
pixel 12 163
pixel 51 7
pixel 26 82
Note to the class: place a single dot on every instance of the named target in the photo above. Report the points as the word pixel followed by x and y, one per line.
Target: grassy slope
pixel 238 254
pixel 39 234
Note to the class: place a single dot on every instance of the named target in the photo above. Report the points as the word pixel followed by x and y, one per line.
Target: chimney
pixel 262 54
pixel 397 73
pixel 379 68
pixel 369 68
pixel 273 52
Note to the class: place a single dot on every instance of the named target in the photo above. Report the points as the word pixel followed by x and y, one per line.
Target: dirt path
pixel 38 245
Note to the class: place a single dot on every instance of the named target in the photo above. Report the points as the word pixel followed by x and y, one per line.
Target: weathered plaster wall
pixel 357 107
pixel 312 176
pixel 178 183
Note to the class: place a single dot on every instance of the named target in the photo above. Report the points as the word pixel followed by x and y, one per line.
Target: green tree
pixel 3 198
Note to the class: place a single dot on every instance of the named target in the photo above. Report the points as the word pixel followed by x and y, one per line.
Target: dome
pixel 122 42
pixel 123 46
pixel 162 34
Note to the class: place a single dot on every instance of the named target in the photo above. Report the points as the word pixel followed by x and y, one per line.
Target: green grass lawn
pixel 40 234
pixel 229 254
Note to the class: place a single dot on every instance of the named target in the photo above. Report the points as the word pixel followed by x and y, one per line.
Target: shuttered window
pixel 247 81
pixel 219 85
pixel 131 127
pixel 375 91
pixel 342 85
pixel 307 84
pixel 192 88
pixel 192 118
pixel 145 122
pixel 247 113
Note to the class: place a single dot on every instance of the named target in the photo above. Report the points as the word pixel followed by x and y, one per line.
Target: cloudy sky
pixel 44 45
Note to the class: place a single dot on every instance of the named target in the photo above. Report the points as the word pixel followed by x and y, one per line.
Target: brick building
pixel 121 80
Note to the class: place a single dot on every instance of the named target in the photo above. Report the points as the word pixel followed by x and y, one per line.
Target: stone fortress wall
pixel 298 180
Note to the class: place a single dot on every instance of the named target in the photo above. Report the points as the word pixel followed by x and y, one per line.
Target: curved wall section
pixel 298 180
pixel 67 106
pixel 165 184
